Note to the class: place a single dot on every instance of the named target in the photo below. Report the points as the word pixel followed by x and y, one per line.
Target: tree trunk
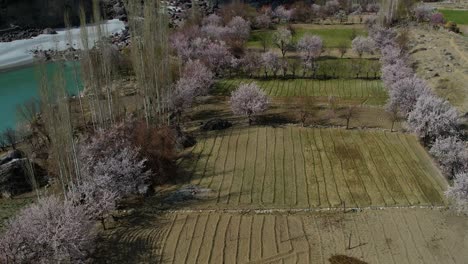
pixel 393 123
pixel 347 122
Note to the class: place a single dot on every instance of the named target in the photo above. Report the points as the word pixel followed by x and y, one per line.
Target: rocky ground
pixel 441 57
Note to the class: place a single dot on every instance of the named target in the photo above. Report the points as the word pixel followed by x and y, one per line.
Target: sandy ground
pixel 17 53
pixel 375 236
pixel 442 59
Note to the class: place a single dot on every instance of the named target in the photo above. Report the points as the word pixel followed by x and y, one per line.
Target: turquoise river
pixel 20 85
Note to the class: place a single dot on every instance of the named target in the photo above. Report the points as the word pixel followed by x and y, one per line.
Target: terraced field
pixel 381 236
pixel 371 92
pixel 294 167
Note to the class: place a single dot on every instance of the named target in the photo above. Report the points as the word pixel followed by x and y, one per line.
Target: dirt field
pixel 283 167
pixel 442 59
pixel 377 236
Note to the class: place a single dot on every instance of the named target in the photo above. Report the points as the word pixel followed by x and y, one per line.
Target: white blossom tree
pixel 282 38
pixel 49 231
pixel 251 63
pixel 423 12
pixel 271 63
pixel 452 155
pixel 433 117
pixel 283 14
pixel 458 192
pixel 392 73
pixel 263 21
pixel 404 94
pixel 248 100
pixel 212 19
pixel 239 28
pixel 310 48
pixel 362 45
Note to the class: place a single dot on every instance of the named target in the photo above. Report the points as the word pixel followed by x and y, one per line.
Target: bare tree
pixel 342 48
pixel 350 112
pixel 306 105
pixel 393 112
pixel 10 137
pixel 282 38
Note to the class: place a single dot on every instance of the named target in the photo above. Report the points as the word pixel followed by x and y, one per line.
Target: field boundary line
pixel 296 210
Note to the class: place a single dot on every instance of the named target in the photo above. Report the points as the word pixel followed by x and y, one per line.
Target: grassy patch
pixel 332 36
pixel 367 91
pixel 457 16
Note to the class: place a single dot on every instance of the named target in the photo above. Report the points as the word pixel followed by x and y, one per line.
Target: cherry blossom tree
pixel 248 100
pixel 331 7
pixel 372 8
pixel 95 197
pixel 251 62
pixel 310 48
pixel 423 12
pixel 433 117
pixel 49 231
pixel 405 93
pixel 212 19
pixel 391 73
pixel 271 63
pixel 391 54
pixel 282 38
pixel 458 192
pixel 283 14
pixel 437 19
pixel 452 155
pixel 182 97
pixel 214 54
pixel 239 28
pixel 109 159
pixel 216 32
pixel 362 45
pixel 263 21
pixel 383 37
pixel 200 77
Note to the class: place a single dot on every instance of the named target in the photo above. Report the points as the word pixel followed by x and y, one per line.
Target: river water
pixel 20 85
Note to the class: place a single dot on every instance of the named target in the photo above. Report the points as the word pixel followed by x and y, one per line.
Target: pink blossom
pixel 263 21
pixel 271 63
pixel 392 73
pixel 433 117
pixel 458 192
pixel 49 231
pixel 283 14
pixel 405 93
pixel 248 100
pixel 212 19
pixel 452 155
pixel 239 28
pixel 437 19
pixel 362 45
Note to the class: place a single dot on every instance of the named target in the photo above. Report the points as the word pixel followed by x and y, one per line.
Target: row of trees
pixel 432 118
pixel 300 11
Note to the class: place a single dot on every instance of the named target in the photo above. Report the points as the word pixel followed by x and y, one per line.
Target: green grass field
pixel 332 37
pixel 457 16
pixel 294 167
pixel 371 92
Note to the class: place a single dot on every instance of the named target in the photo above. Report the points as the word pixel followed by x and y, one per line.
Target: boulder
pixel 15 179
pixel 216 124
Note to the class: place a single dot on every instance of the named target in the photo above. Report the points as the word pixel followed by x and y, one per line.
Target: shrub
pixel 437 19
pixel 452 26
